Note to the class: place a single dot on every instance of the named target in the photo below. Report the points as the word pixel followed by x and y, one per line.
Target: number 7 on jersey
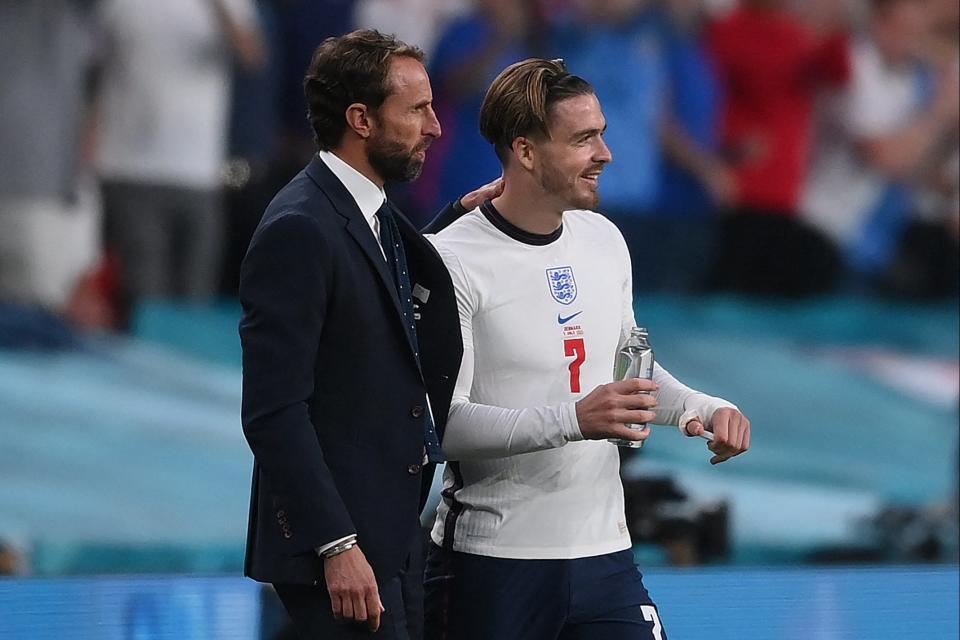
pixel 575 347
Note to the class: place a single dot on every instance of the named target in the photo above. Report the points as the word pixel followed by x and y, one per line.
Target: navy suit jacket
pixel 334 402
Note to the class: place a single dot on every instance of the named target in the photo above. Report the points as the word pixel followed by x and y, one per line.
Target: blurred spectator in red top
pixel 772 65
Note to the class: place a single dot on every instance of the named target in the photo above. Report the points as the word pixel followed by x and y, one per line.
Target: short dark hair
pixel 347 69
pixel 518 101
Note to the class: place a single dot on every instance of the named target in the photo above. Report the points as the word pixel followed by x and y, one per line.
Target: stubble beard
pixel 556 184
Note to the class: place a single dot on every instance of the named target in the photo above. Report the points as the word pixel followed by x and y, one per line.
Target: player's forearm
pixel 676 401
pixel 477 431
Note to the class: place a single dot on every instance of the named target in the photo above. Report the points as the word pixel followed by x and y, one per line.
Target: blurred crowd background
pixel 771 147
pixel 786 172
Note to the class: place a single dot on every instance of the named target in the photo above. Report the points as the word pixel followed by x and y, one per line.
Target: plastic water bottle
pixel 634 360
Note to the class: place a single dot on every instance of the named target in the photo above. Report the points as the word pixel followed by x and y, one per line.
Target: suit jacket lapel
pixel 357 226
pixel 413 237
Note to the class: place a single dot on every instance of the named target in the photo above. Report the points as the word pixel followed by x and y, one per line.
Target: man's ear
pixel 358 119
pixel 524 151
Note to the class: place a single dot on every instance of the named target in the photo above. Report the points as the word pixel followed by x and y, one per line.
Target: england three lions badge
pixel 563 286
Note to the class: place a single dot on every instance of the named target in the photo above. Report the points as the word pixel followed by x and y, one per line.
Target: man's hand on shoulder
pixel 731 433
pixel 354 595
pixel 604 412
pixel 488 191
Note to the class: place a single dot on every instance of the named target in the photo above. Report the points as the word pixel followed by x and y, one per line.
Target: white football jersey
pixel 542 317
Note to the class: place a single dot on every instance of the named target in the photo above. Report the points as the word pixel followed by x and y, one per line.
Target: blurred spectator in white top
pixel 49 212
pixel 879 136
pixel 163 137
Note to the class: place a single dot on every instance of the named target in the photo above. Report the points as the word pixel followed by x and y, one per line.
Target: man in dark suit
pixel 351 347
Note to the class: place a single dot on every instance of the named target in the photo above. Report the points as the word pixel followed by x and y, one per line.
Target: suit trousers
pixel 401 595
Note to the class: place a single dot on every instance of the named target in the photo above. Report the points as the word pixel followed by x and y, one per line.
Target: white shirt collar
pixel 367 195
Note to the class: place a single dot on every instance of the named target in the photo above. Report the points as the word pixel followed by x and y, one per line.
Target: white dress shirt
pixel 368 196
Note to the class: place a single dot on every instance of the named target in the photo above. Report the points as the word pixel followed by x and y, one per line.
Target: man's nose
pixel 432 125
pixel 603 153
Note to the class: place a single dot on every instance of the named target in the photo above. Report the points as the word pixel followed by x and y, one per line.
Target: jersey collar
pixel 526 237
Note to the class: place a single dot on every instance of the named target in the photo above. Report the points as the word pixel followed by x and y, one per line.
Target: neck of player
pixel 527 206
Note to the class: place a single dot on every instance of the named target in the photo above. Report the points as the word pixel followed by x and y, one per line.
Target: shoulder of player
pixel 467 230
pixel 596 222
pixel 460 240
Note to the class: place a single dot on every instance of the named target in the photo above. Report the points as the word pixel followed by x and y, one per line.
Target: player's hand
pixel 488 191
pixel 731 433
pixel 604 412
pixel 354 595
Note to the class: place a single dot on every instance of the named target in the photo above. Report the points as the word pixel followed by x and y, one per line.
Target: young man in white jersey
pixel 530 540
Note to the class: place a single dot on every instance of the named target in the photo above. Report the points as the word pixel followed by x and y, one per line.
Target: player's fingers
pixel 738 432
pixel 638 401
pixel 722 450
pixel 721 453
pixel 626 433
pixel 746 433
pixel 743 429
pixel 693 428
pixel 633 385
pixel 719 424
pixel 634 416
pixel 734 434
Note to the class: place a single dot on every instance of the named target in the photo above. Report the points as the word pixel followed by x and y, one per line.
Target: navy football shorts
pixel 471 597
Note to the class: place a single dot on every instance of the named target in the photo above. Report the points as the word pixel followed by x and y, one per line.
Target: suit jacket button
pixel 413 469
pixel 417 411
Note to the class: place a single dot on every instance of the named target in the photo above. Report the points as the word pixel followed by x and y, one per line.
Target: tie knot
pixel 384 211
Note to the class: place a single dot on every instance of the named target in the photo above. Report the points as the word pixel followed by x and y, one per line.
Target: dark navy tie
pixel 397 263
